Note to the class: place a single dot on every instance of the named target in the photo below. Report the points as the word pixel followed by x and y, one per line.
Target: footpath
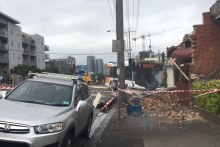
pixel 153 130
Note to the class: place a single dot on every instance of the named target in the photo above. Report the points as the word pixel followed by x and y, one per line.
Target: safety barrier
pixel 166 91
pixel 210 91
pixel 108 103
pixel 5 87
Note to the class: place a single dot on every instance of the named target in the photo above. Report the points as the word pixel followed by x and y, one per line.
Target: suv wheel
pixel 68 142
pixel 87 129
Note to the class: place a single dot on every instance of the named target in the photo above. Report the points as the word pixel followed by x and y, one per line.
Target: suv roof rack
pixel 53 76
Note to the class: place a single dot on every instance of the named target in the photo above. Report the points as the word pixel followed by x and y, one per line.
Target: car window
pixel 42 93
pixel 78 95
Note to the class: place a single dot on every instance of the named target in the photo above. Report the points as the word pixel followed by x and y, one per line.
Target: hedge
pixel 210 102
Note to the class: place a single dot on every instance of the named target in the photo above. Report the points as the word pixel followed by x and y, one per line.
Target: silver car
pixel 47 110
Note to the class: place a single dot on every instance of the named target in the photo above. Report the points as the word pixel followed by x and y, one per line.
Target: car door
pixel 80 106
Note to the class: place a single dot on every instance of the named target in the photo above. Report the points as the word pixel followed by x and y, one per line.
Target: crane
pixel 151 34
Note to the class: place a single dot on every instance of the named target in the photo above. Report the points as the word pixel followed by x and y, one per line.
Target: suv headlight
pixel 48 128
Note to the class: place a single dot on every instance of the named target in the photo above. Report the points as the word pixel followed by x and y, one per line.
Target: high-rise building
pixel 91 64
pixel 99 66
pixel 17 47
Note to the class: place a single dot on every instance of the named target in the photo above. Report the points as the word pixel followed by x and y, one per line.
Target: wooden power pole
pixel 120 38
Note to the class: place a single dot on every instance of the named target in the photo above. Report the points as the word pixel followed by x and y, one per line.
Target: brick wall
pixel 206 46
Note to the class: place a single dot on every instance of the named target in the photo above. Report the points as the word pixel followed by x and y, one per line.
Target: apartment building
pixel 63 65
pixel 17 47
pixel 33 49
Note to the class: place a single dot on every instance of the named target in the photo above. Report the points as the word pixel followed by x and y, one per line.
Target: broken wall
pixel 206 46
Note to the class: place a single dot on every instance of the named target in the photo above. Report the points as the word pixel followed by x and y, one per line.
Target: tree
pixel 24 69
pixel 100 77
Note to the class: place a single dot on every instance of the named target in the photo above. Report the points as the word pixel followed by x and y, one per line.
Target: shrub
pixel 210 102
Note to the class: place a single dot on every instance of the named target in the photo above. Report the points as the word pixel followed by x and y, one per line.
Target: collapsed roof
pixel 215 11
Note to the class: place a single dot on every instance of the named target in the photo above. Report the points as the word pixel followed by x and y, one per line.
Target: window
pixel 43 93
pixel 78 95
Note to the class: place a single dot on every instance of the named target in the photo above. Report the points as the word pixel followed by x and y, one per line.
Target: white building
pixel 19 48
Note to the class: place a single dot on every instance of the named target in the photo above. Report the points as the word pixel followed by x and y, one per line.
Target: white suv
pixel 47 110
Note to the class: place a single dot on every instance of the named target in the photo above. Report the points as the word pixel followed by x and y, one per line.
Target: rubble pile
pixel 166 101
pixel 181 115
pixel 168 105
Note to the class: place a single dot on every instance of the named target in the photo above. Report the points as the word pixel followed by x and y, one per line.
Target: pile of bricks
pixel 166 101
pixel 181 115
pixel 167 106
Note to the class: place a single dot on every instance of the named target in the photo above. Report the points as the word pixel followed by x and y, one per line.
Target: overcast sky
pixel 80 26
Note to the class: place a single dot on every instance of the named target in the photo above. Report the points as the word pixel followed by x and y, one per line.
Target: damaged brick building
pixel 199 53
pixel 198 56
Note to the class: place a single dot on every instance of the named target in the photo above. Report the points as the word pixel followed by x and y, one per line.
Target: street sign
pixel 116 45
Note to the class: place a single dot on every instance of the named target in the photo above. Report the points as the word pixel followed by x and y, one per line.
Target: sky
pixel 78 28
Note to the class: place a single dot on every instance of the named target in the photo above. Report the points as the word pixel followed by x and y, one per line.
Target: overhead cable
pixel 111 14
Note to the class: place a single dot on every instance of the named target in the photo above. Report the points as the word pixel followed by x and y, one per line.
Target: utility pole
pixel 120 38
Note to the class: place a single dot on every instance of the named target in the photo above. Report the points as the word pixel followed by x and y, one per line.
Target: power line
pixel 62 53
pixel 132 27
pixel 128 15
pixel 114 5
pixel 138 8
pixel 111 13
pixel 83 54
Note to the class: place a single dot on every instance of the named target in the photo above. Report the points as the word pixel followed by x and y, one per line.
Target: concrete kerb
pixel 99 131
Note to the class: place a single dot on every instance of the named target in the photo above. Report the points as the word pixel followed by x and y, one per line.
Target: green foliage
pixel 100 77
pixel 22 70
pixel 210 102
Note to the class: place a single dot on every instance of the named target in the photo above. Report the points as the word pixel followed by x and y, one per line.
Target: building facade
pixel 17 47
pixel 99 66
pixel 91 64
pixel 64 66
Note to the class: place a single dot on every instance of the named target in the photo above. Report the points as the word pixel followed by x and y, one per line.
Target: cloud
pixel 79 26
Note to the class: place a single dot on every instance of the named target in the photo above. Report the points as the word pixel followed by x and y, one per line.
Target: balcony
pixel 4 47
pixel 33 53
pixel 30 62
pixel 32 43
pixel 25 40
pixel 46 48
pixel 3 33
pixel 26 52
pixel 4 60
pixel 47 56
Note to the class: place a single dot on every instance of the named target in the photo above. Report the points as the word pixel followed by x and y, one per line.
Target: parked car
pixel 46 110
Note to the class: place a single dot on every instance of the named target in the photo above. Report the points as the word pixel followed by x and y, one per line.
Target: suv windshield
pixel 42 93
